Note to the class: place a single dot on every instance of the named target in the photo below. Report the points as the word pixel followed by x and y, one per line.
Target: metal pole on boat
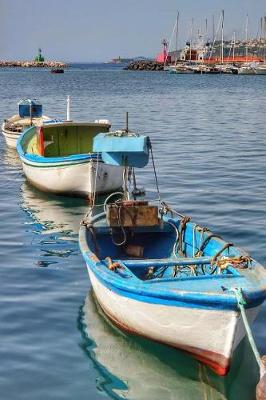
pixel 127 122
pixel 68 108
pixel 30 101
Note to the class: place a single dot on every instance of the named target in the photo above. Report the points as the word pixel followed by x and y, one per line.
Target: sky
pixel 99 30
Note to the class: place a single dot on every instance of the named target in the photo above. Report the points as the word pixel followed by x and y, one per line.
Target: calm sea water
pixel 209 141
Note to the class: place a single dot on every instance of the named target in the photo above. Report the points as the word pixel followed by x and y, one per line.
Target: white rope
pixel 108 198
pixel 177 237
pixel 95 180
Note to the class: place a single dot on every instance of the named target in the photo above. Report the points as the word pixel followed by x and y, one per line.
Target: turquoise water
pixel 209 141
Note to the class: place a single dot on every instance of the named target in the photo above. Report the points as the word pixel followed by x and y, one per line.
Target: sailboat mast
pixel 247 38
pixel 191 37
pixel 234 43
pixel 176 36
pixel 264 36
pixel 213 29
pixel 222 39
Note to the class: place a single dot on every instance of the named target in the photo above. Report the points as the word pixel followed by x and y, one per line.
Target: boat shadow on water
pixel 130 367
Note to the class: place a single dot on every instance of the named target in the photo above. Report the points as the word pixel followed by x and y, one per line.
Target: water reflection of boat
pixel 11 158
pixel 133 368
pixel 53 213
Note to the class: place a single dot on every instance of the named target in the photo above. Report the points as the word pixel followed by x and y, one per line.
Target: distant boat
pixel 59 158
pixel 57 71
pixel 180 69
pixel 157 274
pixel 261 69
pixel 30 113
pixel 247 69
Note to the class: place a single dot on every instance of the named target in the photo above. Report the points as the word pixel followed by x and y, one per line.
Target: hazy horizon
pixel 89 31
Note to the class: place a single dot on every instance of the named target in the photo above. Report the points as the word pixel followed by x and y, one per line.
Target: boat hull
pixel 210 335
pixel 11 138
pixel 261 71
pixel 73 178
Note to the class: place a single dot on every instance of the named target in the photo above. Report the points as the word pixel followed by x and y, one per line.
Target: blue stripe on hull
pixel 189 300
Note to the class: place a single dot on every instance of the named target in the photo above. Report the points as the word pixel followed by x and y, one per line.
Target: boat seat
pixel 160 262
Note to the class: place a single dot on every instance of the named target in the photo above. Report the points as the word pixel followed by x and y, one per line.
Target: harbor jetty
pixel 145 65
pixel 38 62
pixel 32 64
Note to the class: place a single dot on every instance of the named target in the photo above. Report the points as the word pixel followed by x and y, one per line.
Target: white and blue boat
pixel 29 114
pixel 157 274
pixel 59 158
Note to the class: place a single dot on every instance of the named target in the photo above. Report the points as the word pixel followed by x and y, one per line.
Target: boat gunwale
pixel 137 288
pixel 36 160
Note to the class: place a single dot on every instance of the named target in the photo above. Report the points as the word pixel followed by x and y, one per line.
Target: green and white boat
pixel 59 158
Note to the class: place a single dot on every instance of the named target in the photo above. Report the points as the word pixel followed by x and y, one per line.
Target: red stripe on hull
pixel 217 362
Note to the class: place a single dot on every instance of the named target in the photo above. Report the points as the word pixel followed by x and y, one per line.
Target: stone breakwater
pixel 32 64
pixel 145 66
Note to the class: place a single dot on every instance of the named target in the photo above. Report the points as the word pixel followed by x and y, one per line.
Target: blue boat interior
pixel 166 255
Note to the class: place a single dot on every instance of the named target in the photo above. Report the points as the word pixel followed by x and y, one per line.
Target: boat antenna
pixel 68 109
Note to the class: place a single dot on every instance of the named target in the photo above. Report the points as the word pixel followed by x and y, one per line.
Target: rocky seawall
pixel 32 64
pixel 145 66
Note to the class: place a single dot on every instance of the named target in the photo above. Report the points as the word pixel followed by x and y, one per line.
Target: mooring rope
pixel 241 302
pixel 155 173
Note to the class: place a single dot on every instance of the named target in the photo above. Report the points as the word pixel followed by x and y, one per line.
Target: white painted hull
pixel 144 374
pixel 11 138
pixel 261 71
pixel 246 71
pixel 209 335
pixel 76 179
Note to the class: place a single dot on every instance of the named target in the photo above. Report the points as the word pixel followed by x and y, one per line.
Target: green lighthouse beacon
pixel 39 58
